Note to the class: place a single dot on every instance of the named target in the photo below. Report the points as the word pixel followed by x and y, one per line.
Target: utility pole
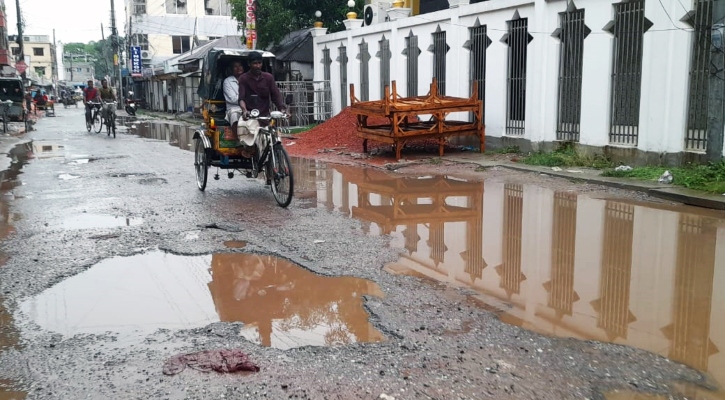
pixel 716 83
pixel 116 64
pixel 21 52
pixel 54 68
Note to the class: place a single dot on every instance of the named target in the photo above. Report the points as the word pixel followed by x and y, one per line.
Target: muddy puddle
pixel 97 221
pixel 9 336
pixel 560 263
pixel 281 304
pixel 180 136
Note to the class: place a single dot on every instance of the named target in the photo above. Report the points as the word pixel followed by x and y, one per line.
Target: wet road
pixel 369 283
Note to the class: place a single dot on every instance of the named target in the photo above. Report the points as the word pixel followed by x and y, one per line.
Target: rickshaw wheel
pixel 201 164
pixel 281 176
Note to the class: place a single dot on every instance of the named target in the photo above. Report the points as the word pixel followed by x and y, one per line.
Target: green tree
pixel 277 18
pixel 101 52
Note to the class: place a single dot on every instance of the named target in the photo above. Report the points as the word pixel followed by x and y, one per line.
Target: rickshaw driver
pixel 262 84
pixel 107 96
pixel 231 95
pixel 90 94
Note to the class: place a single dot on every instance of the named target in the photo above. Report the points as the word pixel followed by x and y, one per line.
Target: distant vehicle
pixel 12 88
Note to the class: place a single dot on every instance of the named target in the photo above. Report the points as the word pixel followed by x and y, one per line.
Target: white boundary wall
pixel 665 68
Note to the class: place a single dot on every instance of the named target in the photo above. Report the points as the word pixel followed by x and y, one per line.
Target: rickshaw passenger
pixel 39 98
pixel 255 81
pixel 231 95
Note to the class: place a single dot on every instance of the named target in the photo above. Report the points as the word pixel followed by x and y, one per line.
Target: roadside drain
pixel 281 304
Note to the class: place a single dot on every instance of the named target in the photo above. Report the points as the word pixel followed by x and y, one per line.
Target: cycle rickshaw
pixel 216 146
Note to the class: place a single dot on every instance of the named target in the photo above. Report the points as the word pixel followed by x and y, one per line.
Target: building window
pixel 141 40
pixel 213 37
pixel 16 51
pixel 180 44
pixel 217 7
pixel 139 7
pixel 67 70
pixel 38 51
pixel 176 6
pixel 88 70
pixel 40 71
pixel 78 69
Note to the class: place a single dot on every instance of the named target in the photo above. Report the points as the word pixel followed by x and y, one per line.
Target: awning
pixel 192 74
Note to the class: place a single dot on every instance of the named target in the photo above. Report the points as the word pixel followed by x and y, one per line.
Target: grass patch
pixel 301 129
pixel 436 161
pixel 706 177
pixel 567 157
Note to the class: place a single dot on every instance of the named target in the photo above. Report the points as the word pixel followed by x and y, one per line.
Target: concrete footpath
pixel 589 175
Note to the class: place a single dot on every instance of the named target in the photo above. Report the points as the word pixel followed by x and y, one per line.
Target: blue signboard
pixel 136 65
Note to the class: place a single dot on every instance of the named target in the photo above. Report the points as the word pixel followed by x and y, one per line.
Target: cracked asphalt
pixel 438 343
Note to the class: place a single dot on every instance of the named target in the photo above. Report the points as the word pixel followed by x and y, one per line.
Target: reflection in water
pixel 8 181
pixel 286 304
pixel 565 264
pixel 181 136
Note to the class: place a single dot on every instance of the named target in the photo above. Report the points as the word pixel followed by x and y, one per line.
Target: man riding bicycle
pixel 107 96
pixel 90 94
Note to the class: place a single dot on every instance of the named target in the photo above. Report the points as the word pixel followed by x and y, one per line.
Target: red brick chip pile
pixel 338 135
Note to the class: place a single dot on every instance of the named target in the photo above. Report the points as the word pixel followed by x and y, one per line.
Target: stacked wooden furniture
pixel 403 122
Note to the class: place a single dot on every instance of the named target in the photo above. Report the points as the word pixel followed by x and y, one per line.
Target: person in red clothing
pixel 90 94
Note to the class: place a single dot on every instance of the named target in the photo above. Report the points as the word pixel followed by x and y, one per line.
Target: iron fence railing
pixel 311 101
pixel 364 57
pixel 478 45
pixel 697 99
pixel 440 48
pixel 571 56
pixel 518 40
pixel 628 30
pixel 412 51
pixel 342 59
pixel 385 56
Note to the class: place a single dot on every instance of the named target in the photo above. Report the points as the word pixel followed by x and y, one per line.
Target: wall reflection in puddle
pixel 559 263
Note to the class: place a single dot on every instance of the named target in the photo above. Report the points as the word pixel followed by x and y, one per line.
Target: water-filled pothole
pixel 281 304
pixel 94 221
pixel 235 244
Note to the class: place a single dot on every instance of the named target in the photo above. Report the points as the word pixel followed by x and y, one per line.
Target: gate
pixel 311 101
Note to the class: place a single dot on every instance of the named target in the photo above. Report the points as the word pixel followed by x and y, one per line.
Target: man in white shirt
pixel 231 95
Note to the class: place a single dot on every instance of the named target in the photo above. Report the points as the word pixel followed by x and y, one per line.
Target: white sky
pixel 73 20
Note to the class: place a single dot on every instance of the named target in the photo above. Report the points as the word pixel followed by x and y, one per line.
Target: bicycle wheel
pixel 201 164
pixel 281 179
pixel 97 122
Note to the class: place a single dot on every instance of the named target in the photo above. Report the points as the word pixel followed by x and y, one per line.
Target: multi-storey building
pixel 39 56
pixel 4 53
pixel 164 28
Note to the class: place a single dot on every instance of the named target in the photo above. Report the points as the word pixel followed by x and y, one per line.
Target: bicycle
pixel 95 123
pixel 110 122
